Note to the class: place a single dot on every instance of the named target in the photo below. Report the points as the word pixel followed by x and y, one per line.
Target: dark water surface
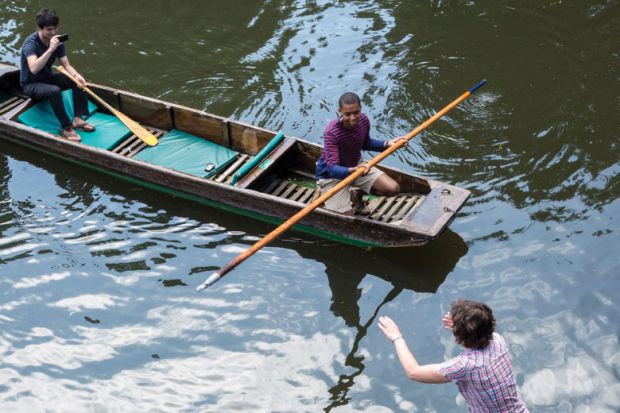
pixel 97 306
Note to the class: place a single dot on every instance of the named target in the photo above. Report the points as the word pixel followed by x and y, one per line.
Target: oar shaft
pixel 146 136
pixel 86 89
pixel 321 199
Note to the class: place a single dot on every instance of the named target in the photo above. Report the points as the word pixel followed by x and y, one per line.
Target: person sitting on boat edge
pixel 483 373
pixel 344 139
pixel 39 52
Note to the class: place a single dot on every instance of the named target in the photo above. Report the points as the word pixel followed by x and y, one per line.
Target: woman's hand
pixel 447 321
pixel 389 328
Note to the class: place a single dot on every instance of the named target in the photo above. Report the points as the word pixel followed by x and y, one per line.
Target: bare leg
pixel 385 186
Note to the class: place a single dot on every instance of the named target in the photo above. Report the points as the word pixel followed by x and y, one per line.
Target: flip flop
pixel 70 135
pixel 85 127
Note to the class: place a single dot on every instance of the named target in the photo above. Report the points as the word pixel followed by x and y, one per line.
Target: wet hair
pixel 349 98
pixel 46 18
pixel 473 323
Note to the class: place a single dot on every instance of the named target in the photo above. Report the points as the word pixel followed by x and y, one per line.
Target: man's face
pixel 47 32
pixel 350 114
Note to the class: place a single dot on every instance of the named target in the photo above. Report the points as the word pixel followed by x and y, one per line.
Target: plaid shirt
pixel 484 378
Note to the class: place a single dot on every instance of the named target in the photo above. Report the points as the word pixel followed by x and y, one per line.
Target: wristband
pixel 397 338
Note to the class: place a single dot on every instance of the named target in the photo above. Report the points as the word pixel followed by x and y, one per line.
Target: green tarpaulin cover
pixel 187 153
pixel 109 130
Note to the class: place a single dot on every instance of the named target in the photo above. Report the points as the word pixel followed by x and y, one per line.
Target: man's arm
pixel 331 154
pixel 64 61
pixel 35 64
pixel 428 373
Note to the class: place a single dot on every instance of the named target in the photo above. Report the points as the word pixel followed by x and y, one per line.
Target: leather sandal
pixel 71 135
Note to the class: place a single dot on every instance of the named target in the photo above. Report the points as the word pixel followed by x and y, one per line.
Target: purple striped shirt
pixel 342 148
pixel 485 379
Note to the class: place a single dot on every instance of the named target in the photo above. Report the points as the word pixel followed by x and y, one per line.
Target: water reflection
pixel 537 146
pixel 420 269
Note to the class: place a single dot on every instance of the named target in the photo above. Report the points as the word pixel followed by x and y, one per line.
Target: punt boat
pixel 225 164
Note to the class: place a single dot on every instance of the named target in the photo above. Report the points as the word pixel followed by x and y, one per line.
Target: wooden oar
pixel 213 278
pixel 146 136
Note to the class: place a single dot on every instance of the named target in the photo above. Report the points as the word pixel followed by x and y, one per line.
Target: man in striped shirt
pixel 483 372
pixel 344 139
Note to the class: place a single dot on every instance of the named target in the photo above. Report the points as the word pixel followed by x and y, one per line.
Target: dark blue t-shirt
pixel 34 46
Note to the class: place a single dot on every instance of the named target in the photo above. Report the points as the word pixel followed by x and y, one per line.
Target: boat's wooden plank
pixel 271 186
pixel 248 138
pixel 381 210
pixel 304 194
pixel 7 103
pixel 281 187
pixel 10 113
pixel 411 200
pixel 290 189
pixel 118 149
pixel 149 112
pixel 231 169
pixel 132 145
pixel 266 164
pixel 304 174
pixel 315 195
pixel 201 124
pixel 387 216
pixel 15 103
pixel 137 149
pixel 374 204
pixel 418 202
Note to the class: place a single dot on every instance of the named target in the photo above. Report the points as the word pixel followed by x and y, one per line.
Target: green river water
pixel 98 311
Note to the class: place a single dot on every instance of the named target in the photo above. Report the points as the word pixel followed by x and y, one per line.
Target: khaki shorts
pixel 341 201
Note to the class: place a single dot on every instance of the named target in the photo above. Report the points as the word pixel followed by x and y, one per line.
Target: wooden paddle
pixel 146 136
pixel 213 278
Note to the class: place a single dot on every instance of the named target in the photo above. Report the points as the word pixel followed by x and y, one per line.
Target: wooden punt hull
pixel 271 192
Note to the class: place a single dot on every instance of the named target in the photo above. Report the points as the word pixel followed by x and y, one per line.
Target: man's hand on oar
pixel 143 134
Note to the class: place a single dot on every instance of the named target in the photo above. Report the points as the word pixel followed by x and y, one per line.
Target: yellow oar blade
pixel 143 134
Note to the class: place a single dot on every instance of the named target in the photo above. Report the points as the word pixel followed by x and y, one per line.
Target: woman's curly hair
pixel 473 323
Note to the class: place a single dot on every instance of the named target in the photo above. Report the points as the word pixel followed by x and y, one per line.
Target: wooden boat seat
pixel 265 160
pixel 8 103
pixel 384 209
pixel 245 169
pixel 189 154
pixel 109 130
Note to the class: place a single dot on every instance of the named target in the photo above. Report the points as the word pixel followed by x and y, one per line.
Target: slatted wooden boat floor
pixel 384 209
pixel 226 175
pixel 393 208
pixel 10 104
pixel 132 145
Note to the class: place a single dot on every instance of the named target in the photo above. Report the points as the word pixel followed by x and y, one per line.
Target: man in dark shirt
pixel 344 139
pixel 39 52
